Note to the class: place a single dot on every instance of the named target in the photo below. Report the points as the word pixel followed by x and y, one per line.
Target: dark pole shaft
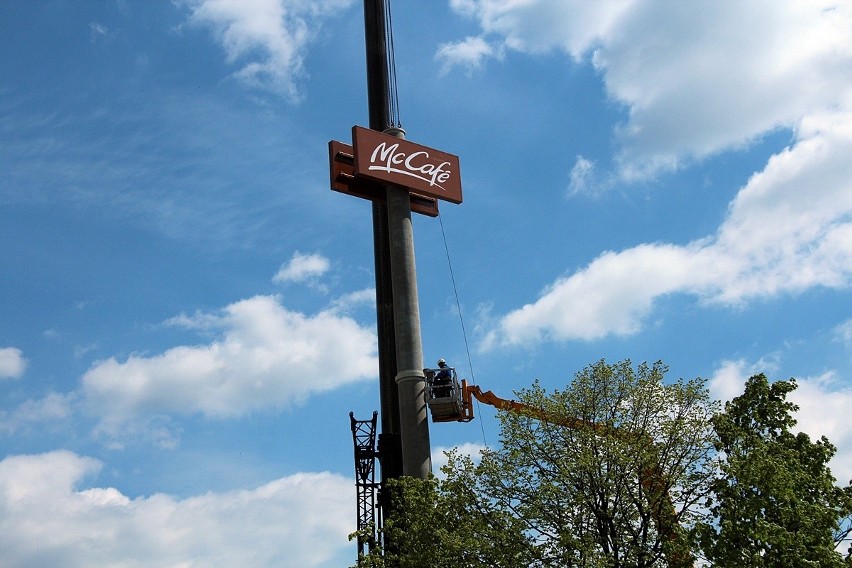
pixel 411 381
pixel 377 76
pixel 394 247
pixel 390 448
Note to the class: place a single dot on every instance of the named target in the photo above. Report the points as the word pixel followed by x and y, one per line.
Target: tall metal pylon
pixel 403 444
pixel 404 439
pixel 390 445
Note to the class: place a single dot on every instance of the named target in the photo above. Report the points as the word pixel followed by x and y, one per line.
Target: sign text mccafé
pixel 397 161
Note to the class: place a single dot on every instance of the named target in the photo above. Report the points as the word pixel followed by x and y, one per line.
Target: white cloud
pixel 844 332
pixel 297 521
pixel 302 267
pixel 787 230
pixel 536 26
pixel 439 455
pixel 264 357
pixel 582 177
pixel 12 363
pixel 53 407
pixel 365 297
pixel 790 228
pixel 267 37
pixel 729 379
pixel 96 31
pixel 470 53
pixel 695 82
pixel 611 295
pixel 823 402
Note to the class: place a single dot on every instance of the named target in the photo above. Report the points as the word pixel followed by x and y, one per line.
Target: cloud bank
pixel 695 83
pixel 266 38
pixel 823 402
pixel 296 521
pixel 789 229
pixel 263 356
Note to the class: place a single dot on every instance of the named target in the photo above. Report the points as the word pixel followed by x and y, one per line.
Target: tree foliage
pixel 606 473
pixel 441 524
pixel 613 475
pixel 775 502
pixel 622 469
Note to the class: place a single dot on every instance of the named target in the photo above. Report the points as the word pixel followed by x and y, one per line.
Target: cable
pixel 461 320
pixel 393 89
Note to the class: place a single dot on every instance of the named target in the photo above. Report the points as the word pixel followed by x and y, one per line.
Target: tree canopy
pixel 625 469
pixel 775 502
pixel 607 472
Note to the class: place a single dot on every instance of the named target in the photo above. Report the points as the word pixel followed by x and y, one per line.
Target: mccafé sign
pixel 425 171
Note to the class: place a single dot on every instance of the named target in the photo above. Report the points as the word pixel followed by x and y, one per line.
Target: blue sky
pixel 187 308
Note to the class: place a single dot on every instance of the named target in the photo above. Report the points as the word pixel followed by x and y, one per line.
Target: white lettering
pixel 383 151
pixel 386 159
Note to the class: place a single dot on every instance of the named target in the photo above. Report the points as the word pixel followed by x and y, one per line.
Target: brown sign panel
pixel 342 167
pixel 423 170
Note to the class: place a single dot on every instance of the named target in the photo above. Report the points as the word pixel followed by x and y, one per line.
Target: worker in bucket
pixel 443 382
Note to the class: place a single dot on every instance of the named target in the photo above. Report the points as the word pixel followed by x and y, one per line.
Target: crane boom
pixel 457 406
pixel 491 399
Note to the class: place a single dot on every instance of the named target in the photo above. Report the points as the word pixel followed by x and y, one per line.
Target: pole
pixel 390 445
pixel 414 421
pixel 398 240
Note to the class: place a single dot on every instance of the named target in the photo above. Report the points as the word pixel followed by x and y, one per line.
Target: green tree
pixel 775 502
pixel 440 524
pixel 609 473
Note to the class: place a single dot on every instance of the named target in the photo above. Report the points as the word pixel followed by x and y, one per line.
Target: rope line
pixel 461 320
pixel 393 89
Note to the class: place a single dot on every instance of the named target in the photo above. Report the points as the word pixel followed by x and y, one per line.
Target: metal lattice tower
pixel 369 515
